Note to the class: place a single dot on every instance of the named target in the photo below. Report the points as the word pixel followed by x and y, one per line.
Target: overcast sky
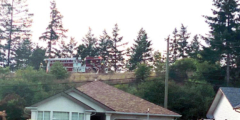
pixel 157 17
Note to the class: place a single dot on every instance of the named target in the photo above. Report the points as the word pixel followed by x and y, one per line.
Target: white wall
pixel 61 104
pixel 224 111
pixel 87 102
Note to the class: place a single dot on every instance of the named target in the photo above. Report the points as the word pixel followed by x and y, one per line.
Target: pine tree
pixel 224 35
pixel 173 46
pixel 68 50
pixel 141 50
pixel 115 54
pixel 15 22
pixel 23 53
pixel 37 57
pixel 194 47
pixel 104 45
pixel 54 31
pixel 183 43
pixel 89 46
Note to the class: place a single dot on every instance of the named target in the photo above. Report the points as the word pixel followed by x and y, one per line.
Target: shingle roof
pixel 119 100
pixel 233 95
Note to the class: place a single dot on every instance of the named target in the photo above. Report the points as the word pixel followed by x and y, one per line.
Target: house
pixel 225 105
pixel 98 101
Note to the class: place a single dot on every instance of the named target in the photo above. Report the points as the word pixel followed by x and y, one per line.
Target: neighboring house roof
pixel 121 101
pixel 232 94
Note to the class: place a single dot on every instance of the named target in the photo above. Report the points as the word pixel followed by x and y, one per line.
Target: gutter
pixel 31 108
pixel 126 113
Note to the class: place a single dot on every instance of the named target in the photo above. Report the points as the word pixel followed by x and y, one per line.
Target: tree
pixel 104 45
pixel 158 64
pixel 224 35
pixel 23 53
pixel 173 46
pixel 37 57
pixel 15 23
pixel 142 73
pixel 89 46
pixel 115 54
pixel 68 50
pixel 194 48
pixel 58 70
pixel 141 50
pixel 55 30
pixel 183 43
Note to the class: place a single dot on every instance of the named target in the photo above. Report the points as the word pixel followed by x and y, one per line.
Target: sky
pixel 158 17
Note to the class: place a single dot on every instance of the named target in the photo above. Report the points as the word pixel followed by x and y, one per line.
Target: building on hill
pixel 98 101
pixel 226 104
pixel 90 65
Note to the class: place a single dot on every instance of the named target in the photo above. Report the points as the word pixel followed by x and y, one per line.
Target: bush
pixel 59 71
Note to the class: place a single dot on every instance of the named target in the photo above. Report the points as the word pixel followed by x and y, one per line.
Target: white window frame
pixel 43 114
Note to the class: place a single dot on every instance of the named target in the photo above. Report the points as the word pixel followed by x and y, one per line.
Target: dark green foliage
pixel 141 50
pixel 182 42
pixel 54 31
pixel 27 87
pixel 59 71
pixel 23 53
pixel 178 45
pixel 142 72
pixel 158 64
pixel 37 57
pixel 194 48
pixel 191 100
pixel 89 46
pixel 224 35
pixel 15 23
pixel 191 69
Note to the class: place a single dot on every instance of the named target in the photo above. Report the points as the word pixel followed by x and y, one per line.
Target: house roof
pixel 121 101
pixel 232 94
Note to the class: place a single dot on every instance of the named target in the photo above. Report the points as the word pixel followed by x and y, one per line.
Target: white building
pixel 225 105
pixel 98 101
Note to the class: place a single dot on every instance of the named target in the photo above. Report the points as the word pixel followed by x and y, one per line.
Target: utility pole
pixel 166 77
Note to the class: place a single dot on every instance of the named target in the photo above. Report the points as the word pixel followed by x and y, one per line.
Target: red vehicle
pixel 94 65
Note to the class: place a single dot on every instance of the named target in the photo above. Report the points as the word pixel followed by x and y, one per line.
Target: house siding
pixel 224 111
pixel 61 104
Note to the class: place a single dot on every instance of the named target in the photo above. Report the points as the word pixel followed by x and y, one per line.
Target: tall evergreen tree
pixel 37 57
pixel 23 53
pixel 224 35
pixel 55 30
pixel 183 43
pixel 15 21
pixel 89 46
pixel 173 46
pixel 116 55
pixel 68 50
pixel 194 47
pixel 104 46
pixel 141 50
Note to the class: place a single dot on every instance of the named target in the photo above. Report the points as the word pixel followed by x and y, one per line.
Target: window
pixel 60 116
pixel 77 116
pixel 43 115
